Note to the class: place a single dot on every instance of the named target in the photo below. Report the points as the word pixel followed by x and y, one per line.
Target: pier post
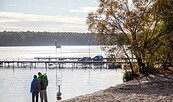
pixel 4 64
pixel 35 65
pixel 45 65
pixel 13 63
pixel 8 64
pixel 23 64
pixel 62 65
pixel 59 65
pixel 17 64
pixel 1 64
pixel 30 65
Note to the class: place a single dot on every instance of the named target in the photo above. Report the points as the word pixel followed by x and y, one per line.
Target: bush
pixel 117 65
pixel 153 70
pixel 136 68
pixel 127 76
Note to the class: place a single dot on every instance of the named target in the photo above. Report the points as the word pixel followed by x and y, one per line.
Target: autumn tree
pixel 141 25
pixel 165 10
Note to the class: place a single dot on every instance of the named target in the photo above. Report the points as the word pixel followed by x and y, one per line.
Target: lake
pixel 15 82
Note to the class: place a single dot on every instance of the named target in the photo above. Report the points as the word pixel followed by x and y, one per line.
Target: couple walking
pixel 39 85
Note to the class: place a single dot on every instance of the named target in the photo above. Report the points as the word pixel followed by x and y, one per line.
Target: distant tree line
pixel 44 38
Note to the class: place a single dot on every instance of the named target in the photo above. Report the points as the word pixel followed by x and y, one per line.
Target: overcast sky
pixel 45 15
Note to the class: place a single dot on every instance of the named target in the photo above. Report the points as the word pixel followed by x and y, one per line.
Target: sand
pixel 153 88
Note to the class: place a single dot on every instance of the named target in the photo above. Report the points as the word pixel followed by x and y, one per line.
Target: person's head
pixel 39 73
pixel 35 76
pixel 45 74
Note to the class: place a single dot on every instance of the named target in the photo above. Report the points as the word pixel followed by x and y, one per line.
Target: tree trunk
pixel 129 61
pixel 142 68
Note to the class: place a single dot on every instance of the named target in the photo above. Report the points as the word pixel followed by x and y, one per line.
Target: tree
pixel 165 8
pixel 141 25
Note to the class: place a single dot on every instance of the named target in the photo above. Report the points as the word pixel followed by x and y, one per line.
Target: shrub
pixel 153 70
pixel 127 76
pixel 117 65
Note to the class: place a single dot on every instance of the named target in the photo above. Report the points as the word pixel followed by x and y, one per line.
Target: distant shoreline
pixel 45 38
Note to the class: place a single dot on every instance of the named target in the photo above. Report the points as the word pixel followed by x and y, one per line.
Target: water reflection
pixel 15 82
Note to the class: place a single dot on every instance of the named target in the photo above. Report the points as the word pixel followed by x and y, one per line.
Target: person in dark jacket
pixel 44 83
pixel 35 88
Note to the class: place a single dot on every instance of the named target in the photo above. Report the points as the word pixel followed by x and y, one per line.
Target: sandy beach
pixel 153 88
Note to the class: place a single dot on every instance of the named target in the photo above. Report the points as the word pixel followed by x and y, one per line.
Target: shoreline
pixel 152 88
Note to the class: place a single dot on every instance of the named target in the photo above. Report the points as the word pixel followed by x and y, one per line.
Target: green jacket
pixel 43 81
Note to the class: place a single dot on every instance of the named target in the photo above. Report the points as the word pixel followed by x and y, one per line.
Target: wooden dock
pixel 59 62
pixel 56 58
pixel 78 58
pixel 48 63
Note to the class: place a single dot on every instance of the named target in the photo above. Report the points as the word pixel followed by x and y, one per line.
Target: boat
pixel 114 66
pixel 85 59
pixel 98 58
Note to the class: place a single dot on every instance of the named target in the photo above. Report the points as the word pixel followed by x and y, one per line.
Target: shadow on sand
pixel 152 85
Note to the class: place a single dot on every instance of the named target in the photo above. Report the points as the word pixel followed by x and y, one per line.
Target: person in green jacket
pixel 44 83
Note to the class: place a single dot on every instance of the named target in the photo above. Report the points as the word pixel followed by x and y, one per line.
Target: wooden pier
pixel 59 62
pixel 48 63
pixel 56 58
pixel 78 58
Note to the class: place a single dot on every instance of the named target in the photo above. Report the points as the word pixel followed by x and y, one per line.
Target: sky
pixel 45 15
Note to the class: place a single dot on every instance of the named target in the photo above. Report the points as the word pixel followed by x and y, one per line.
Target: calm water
pixel 29 52
pixel 15 83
